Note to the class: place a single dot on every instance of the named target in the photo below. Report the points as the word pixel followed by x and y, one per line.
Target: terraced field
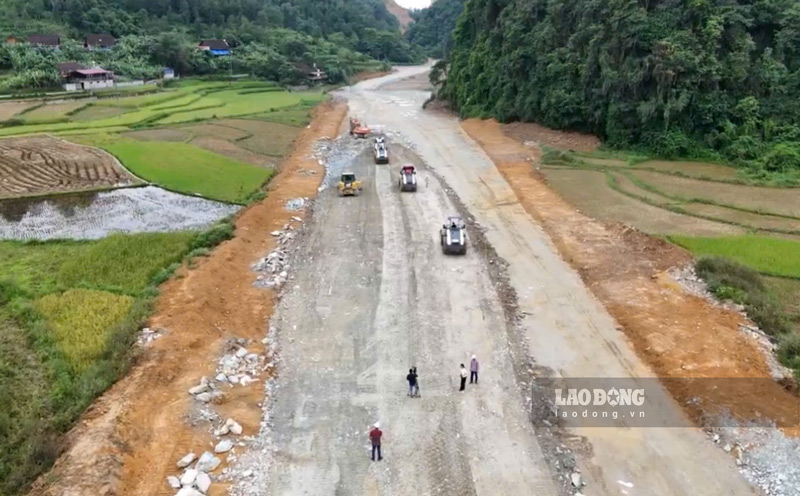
pixel 41 165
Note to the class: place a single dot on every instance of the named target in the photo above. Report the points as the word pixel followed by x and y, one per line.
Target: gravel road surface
pixel 373 295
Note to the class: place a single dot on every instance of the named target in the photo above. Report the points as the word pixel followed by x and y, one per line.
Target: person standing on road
pixel 412 383
pixel 375 437
pixel 416 381
pixel 463 377
pixel 473 370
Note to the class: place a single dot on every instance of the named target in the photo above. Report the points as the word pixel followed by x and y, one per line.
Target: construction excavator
pixel 358 129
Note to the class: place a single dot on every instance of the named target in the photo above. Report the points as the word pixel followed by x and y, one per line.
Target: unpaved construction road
pixel 373 295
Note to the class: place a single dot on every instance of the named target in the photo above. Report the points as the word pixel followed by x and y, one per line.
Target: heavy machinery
pixel 358 129
pixel 348 185
pixel 380 151
pixel 454 237
pixel 408 178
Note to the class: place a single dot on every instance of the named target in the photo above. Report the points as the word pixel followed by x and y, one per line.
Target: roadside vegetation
pixel 271 39
pixel 704 80
pixel 69 312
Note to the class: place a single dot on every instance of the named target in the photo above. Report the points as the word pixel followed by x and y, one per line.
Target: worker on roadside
pixel 375 437
pixel 463 377
pixel 416 381
pixel 412 383
pixel 473 369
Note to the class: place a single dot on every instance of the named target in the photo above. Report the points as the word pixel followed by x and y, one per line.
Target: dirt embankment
pixel 402 15
pixel 679 335
pixel 132 436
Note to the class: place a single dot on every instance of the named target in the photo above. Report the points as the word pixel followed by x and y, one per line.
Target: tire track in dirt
pixel 130 439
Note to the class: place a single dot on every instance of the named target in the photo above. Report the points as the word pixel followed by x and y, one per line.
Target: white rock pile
pixel 296 204
pixel 194 481
pixel 148 335
pixel 240 368
pixel 274 268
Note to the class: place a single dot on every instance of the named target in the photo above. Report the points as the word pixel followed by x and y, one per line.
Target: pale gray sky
pixel 413 4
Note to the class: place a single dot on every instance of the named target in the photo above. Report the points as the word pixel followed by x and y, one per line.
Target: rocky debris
pixel 273 269
pixel 577 480
pixel 240 366
pixel 174 482
pixel 223 446
pixel 148 335
pixel 233 426
pixel 207 462
pixel 296 204
pixel 186 460
pixel 200 388
pixel 765 456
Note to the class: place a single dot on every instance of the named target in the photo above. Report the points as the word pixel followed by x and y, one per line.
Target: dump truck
pixel 348 185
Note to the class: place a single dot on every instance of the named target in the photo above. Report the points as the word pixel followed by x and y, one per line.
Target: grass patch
pixel 772 256
pixel 69 312
pixel 188 169
pixel 80 320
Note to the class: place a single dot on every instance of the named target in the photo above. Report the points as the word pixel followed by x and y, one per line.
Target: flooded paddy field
pixel 96 215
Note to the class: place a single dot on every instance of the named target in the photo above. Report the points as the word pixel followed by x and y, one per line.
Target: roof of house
pixel 92 72
pixel 215 44
pixel 43 39
pixel 99 40
pixel 65 67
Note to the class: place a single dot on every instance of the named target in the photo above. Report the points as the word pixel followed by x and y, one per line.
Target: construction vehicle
pixel 348 185
pixel 358 129
pixel 380 151
pixel 454 237
pixel 408 178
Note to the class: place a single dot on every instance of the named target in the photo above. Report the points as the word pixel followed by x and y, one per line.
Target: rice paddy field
pixel 709 209
pixel 100 201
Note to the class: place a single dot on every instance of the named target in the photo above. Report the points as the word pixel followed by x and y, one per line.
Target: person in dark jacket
pixel 473 370
pixel 416 381
pixel 412 383
pixel 375 437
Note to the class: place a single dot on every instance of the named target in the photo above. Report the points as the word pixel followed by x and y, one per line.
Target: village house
pixel 168 73
pixel 81 78
pixel 311 72
pixel 99 41
pixel 65 68
pixel 44 40
pixel 215 47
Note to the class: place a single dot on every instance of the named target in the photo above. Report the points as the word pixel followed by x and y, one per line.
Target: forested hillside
pixel 677 77
pixel 339 35
pixel 433 27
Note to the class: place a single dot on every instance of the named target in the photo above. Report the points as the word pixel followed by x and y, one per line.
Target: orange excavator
pixel 358 129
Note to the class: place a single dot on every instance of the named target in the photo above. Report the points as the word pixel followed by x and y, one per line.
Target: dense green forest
pixel 339 35
pixel 433 27
pixel 715 78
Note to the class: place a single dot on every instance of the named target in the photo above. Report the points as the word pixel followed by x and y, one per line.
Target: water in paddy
pixel 96 215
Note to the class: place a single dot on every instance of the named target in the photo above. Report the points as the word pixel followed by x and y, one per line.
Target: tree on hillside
pixel 676 77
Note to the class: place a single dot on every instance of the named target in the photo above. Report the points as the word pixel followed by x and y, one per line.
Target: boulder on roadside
pixel 186 460
pixel 203 482
pixel 223 446
pixel 173 482
pixel 188 477
pixel 207 462
pixel 189 491
pixel 233 426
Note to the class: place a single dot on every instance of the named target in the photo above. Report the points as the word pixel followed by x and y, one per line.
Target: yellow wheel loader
pixel 348 185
